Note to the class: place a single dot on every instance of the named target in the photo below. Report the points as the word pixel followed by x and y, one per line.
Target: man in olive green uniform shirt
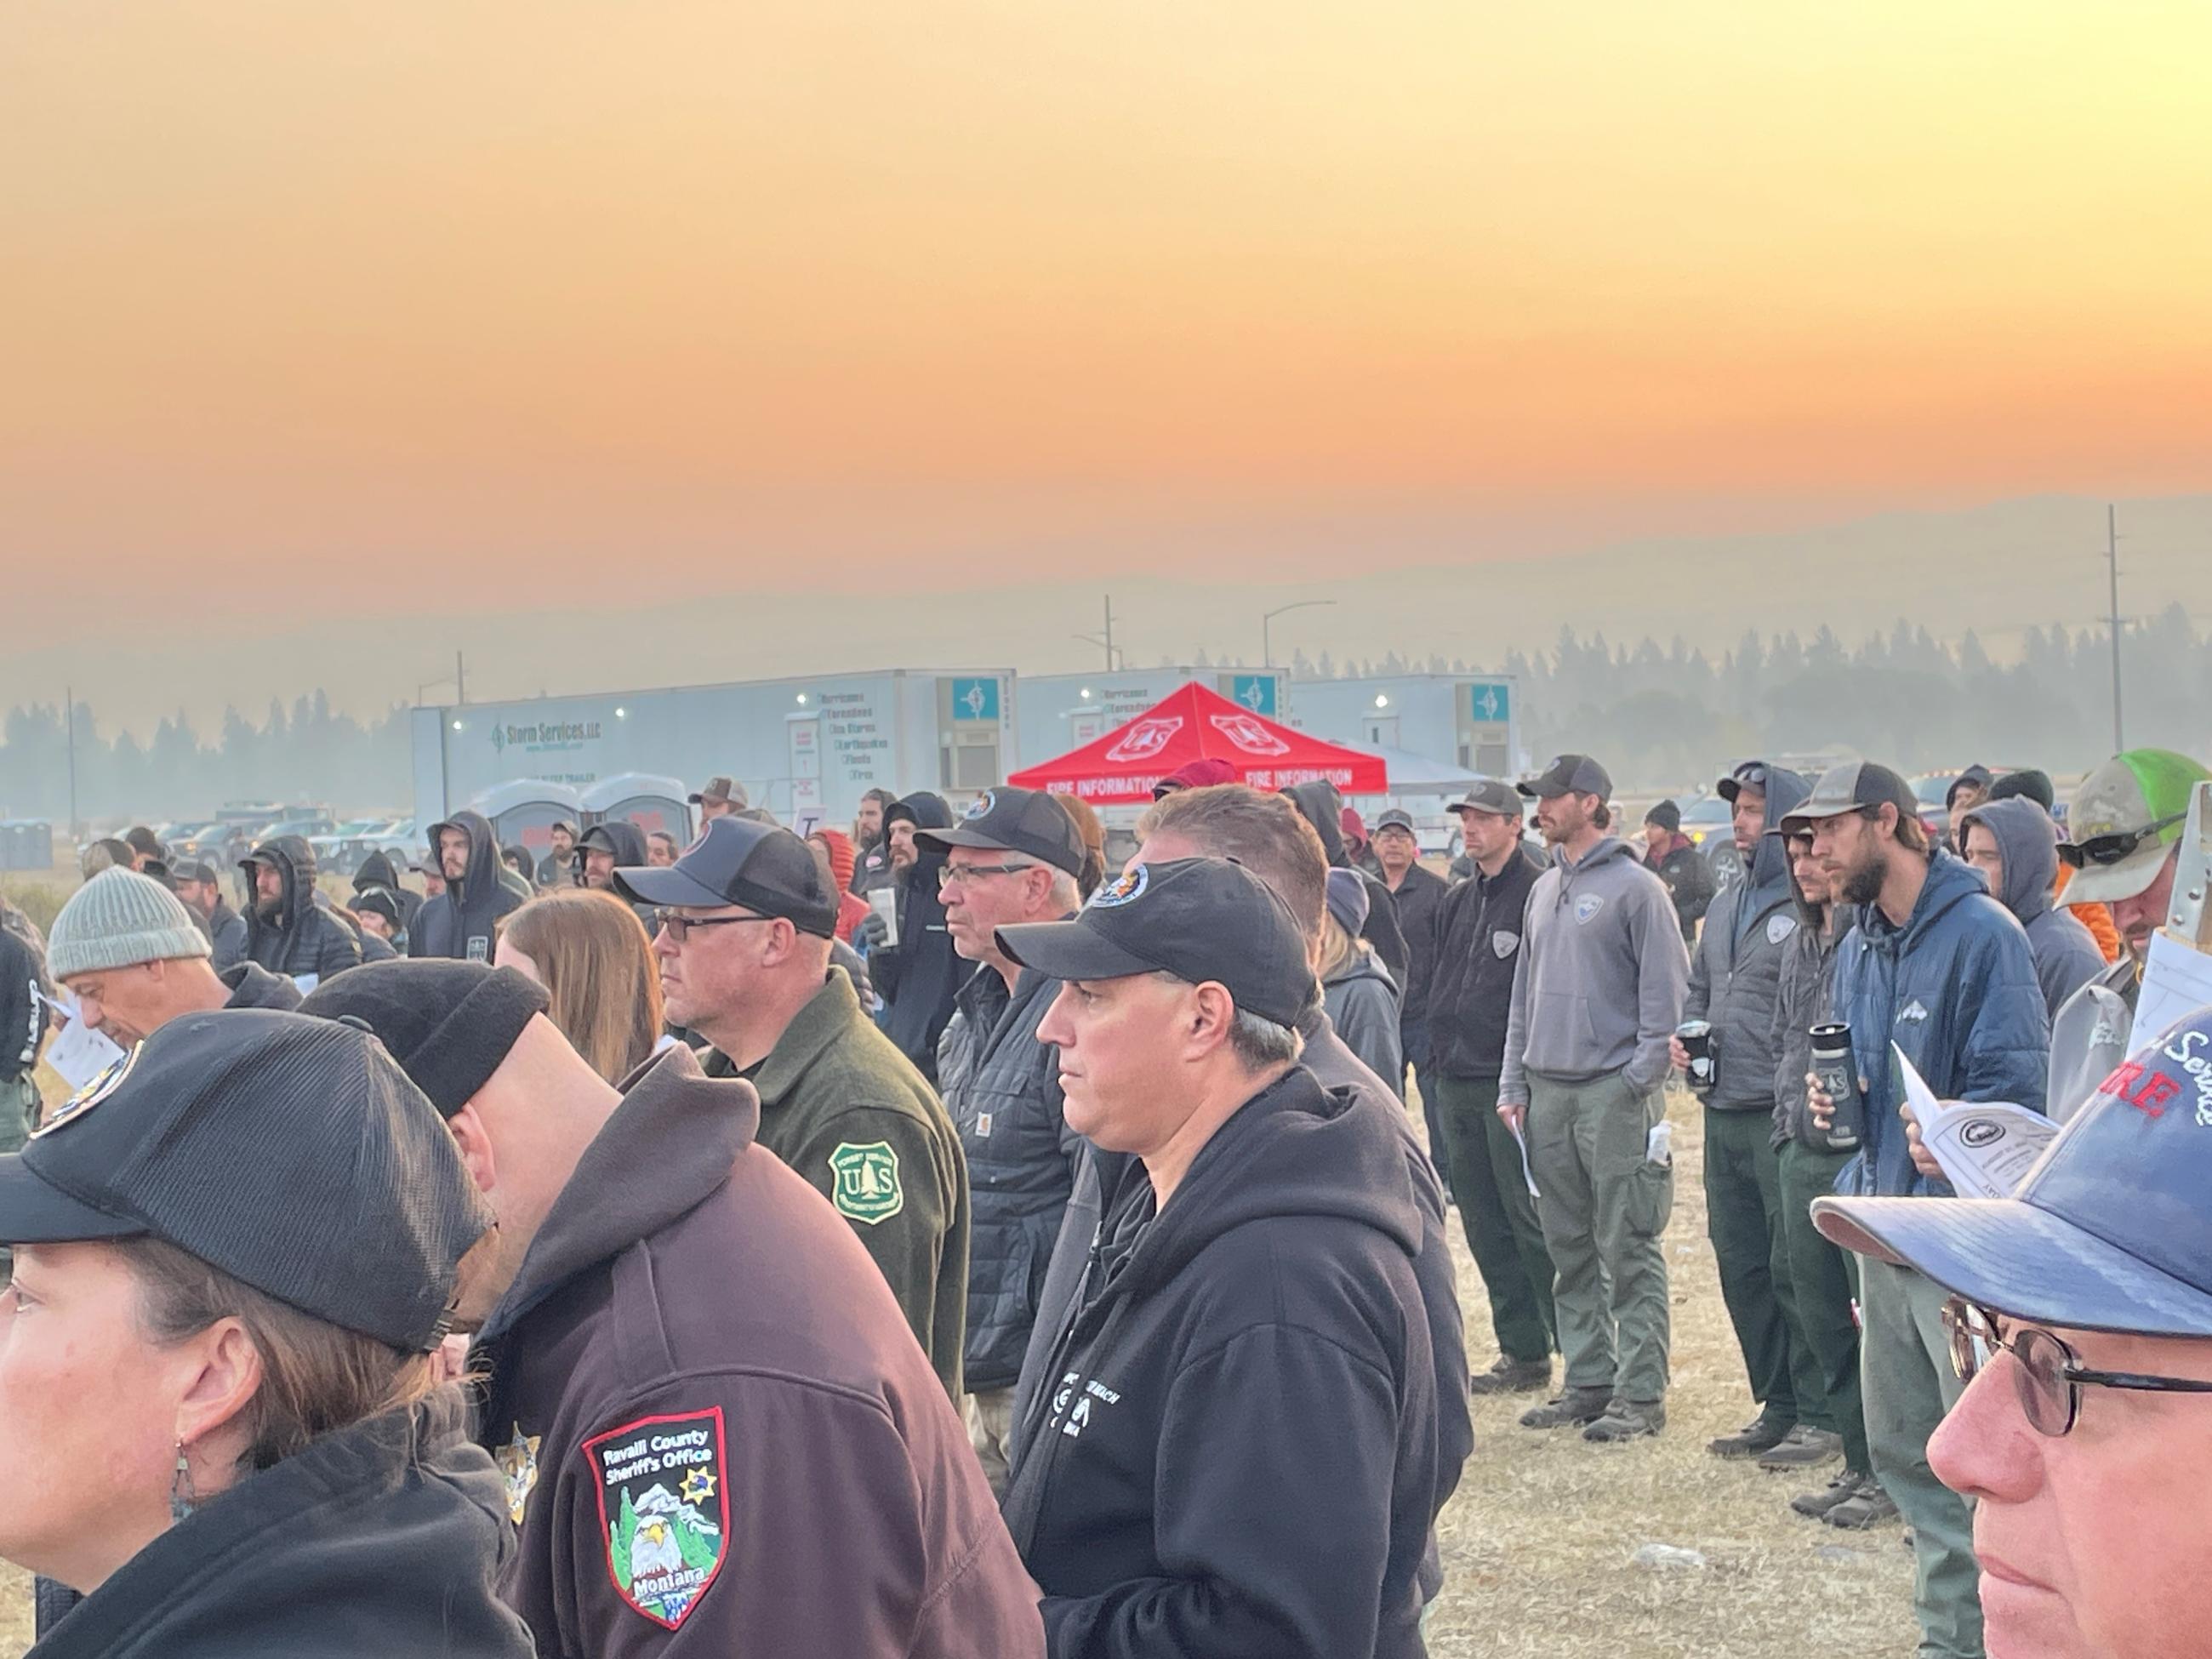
pixel 744 949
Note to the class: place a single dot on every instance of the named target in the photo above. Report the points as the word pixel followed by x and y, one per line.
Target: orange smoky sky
pixel 511 298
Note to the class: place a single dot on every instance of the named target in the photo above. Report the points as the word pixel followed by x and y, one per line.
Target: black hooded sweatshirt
pixel 380 1538
pixel 627 842
pixel 461 922
pixel 1238 1454
pixel 919 977
pixel 1320 804
pixel 377 871
pixel 302 938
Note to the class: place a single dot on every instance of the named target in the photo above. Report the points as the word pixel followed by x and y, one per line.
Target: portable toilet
pixel 524 811
pixel 644 799
pixel 27 844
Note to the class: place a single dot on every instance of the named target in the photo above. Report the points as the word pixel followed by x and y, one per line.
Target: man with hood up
pixel 2015 844
pixel 287 932
pixel 1736 979
pixel 1597 991
pixel 918 977
pixel 609 845
pixel 1320 804
pixel 461 922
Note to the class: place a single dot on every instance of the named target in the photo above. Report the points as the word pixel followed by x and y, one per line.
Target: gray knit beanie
pixel 117 920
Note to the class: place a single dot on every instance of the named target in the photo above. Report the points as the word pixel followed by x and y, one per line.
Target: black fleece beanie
pixel 1667 816
pixel 449 1024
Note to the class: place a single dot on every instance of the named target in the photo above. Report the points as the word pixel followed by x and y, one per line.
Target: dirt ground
pixel 1539 1540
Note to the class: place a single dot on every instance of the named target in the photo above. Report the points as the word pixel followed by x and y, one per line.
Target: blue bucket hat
pixel 2110 1230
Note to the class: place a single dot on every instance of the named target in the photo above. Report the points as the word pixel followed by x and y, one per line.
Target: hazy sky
pixel 349 310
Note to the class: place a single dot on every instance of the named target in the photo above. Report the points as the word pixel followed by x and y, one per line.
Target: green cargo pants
pixel 1743 1218
pixel 1825 1278
pixel 1603 1205
pixel 1905 1360
pixel 1482 1162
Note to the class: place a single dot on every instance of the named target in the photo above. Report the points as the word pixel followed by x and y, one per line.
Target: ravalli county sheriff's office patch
pixel 867 1181
pixel 664 1515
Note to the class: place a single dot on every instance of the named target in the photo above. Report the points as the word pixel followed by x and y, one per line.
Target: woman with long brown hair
pixel 591 953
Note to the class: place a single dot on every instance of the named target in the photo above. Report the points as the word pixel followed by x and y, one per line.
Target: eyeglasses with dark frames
pixel 676 926
pixel 2047 1374
pixel 953 875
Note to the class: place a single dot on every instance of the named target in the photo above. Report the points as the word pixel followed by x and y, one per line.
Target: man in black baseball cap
pixel 1259 1245
pixel 1569 775
pixel 1012 860
pixel 746 918
pixel 664 1290
pixel 1416 893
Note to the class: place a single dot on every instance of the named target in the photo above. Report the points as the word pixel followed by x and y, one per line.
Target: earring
pixel 181 1494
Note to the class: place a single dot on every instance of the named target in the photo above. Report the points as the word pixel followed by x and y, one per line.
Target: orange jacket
pixel 2097 918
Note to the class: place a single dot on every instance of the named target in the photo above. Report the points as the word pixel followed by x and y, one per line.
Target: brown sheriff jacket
pixel 718 1434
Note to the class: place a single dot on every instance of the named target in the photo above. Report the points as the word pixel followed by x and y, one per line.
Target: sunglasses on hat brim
pixel 2115 847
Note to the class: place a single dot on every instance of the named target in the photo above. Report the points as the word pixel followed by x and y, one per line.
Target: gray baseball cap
pixel 1569 774
pixel 1491 795
pixel 1853 786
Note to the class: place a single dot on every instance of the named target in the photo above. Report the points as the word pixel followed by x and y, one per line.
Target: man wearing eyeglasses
pixel 1013 858
pixel 1939 969
pixel 2081 1317
pixel 746 921
pixel 2125 825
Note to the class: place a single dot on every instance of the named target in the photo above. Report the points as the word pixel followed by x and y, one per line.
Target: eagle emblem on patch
pixel 1587 906
pixel 1503 943
pixel 867 1181
pixel 518 1470
pixel 109 1079
pixel 1124 888
pixel 664 1515
pixel 1779 928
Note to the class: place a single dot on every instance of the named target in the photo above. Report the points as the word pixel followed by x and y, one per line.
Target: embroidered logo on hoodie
pixel 1915 1011
pixel 1780 927
pixel 1587 906
pixel 1503 944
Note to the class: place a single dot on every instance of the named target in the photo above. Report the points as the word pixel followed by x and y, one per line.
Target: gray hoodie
pixel 2066 953
pixel 1362 1000
pixel 1735 976
pixel 1601 976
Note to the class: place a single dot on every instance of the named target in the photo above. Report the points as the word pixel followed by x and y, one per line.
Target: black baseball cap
pixel 290 1153
pixel 448 1023
pixel 1569 774
pixel 1397 819
pixel 1491 795
pixel 194 869
pixel 1853 786
pixel 740 861
pixel 1197 919
pixel 1019 821
pixel 1754 773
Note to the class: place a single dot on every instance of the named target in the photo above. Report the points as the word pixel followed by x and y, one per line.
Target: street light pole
pixel 69 693
pixel 1266 646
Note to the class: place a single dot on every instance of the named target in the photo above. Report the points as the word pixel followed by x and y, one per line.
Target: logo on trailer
pixel 1145 738
pixel 1249 735
pixel 664 1517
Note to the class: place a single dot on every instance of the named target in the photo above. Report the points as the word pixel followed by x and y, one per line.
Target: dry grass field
pixel 1539 1540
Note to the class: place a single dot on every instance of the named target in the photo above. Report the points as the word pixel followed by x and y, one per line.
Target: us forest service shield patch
pixel 664 1515
pixel 867 1177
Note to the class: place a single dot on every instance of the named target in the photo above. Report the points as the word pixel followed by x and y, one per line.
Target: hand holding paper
pixel 1983 1148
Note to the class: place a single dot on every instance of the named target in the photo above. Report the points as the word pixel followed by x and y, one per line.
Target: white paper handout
pixel 1985 1146
pixel 81 1054
pixel 2177 981
pixel 884 900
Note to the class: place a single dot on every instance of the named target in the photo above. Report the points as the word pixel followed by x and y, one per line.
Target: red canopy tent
pixel 1196 723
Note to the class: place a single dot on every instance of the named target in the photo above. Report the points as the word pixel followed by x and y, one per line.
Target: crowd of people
pixel 964 1247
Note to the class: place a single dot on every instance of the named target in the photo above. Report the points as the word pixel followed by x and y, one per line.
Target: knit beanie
pixel 449 1024
pixel 119 920
pixel 2035 785
pixel 1347 900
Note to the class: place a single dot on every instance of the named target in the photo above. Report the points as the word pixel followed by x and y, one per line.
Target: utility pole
pixel 460 683
pixel 70 718
pixel 1109 633
pixel 2113 575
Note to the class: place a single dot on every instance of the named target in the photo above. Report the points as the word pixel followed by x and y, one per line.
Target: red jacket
pixel 719 1435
